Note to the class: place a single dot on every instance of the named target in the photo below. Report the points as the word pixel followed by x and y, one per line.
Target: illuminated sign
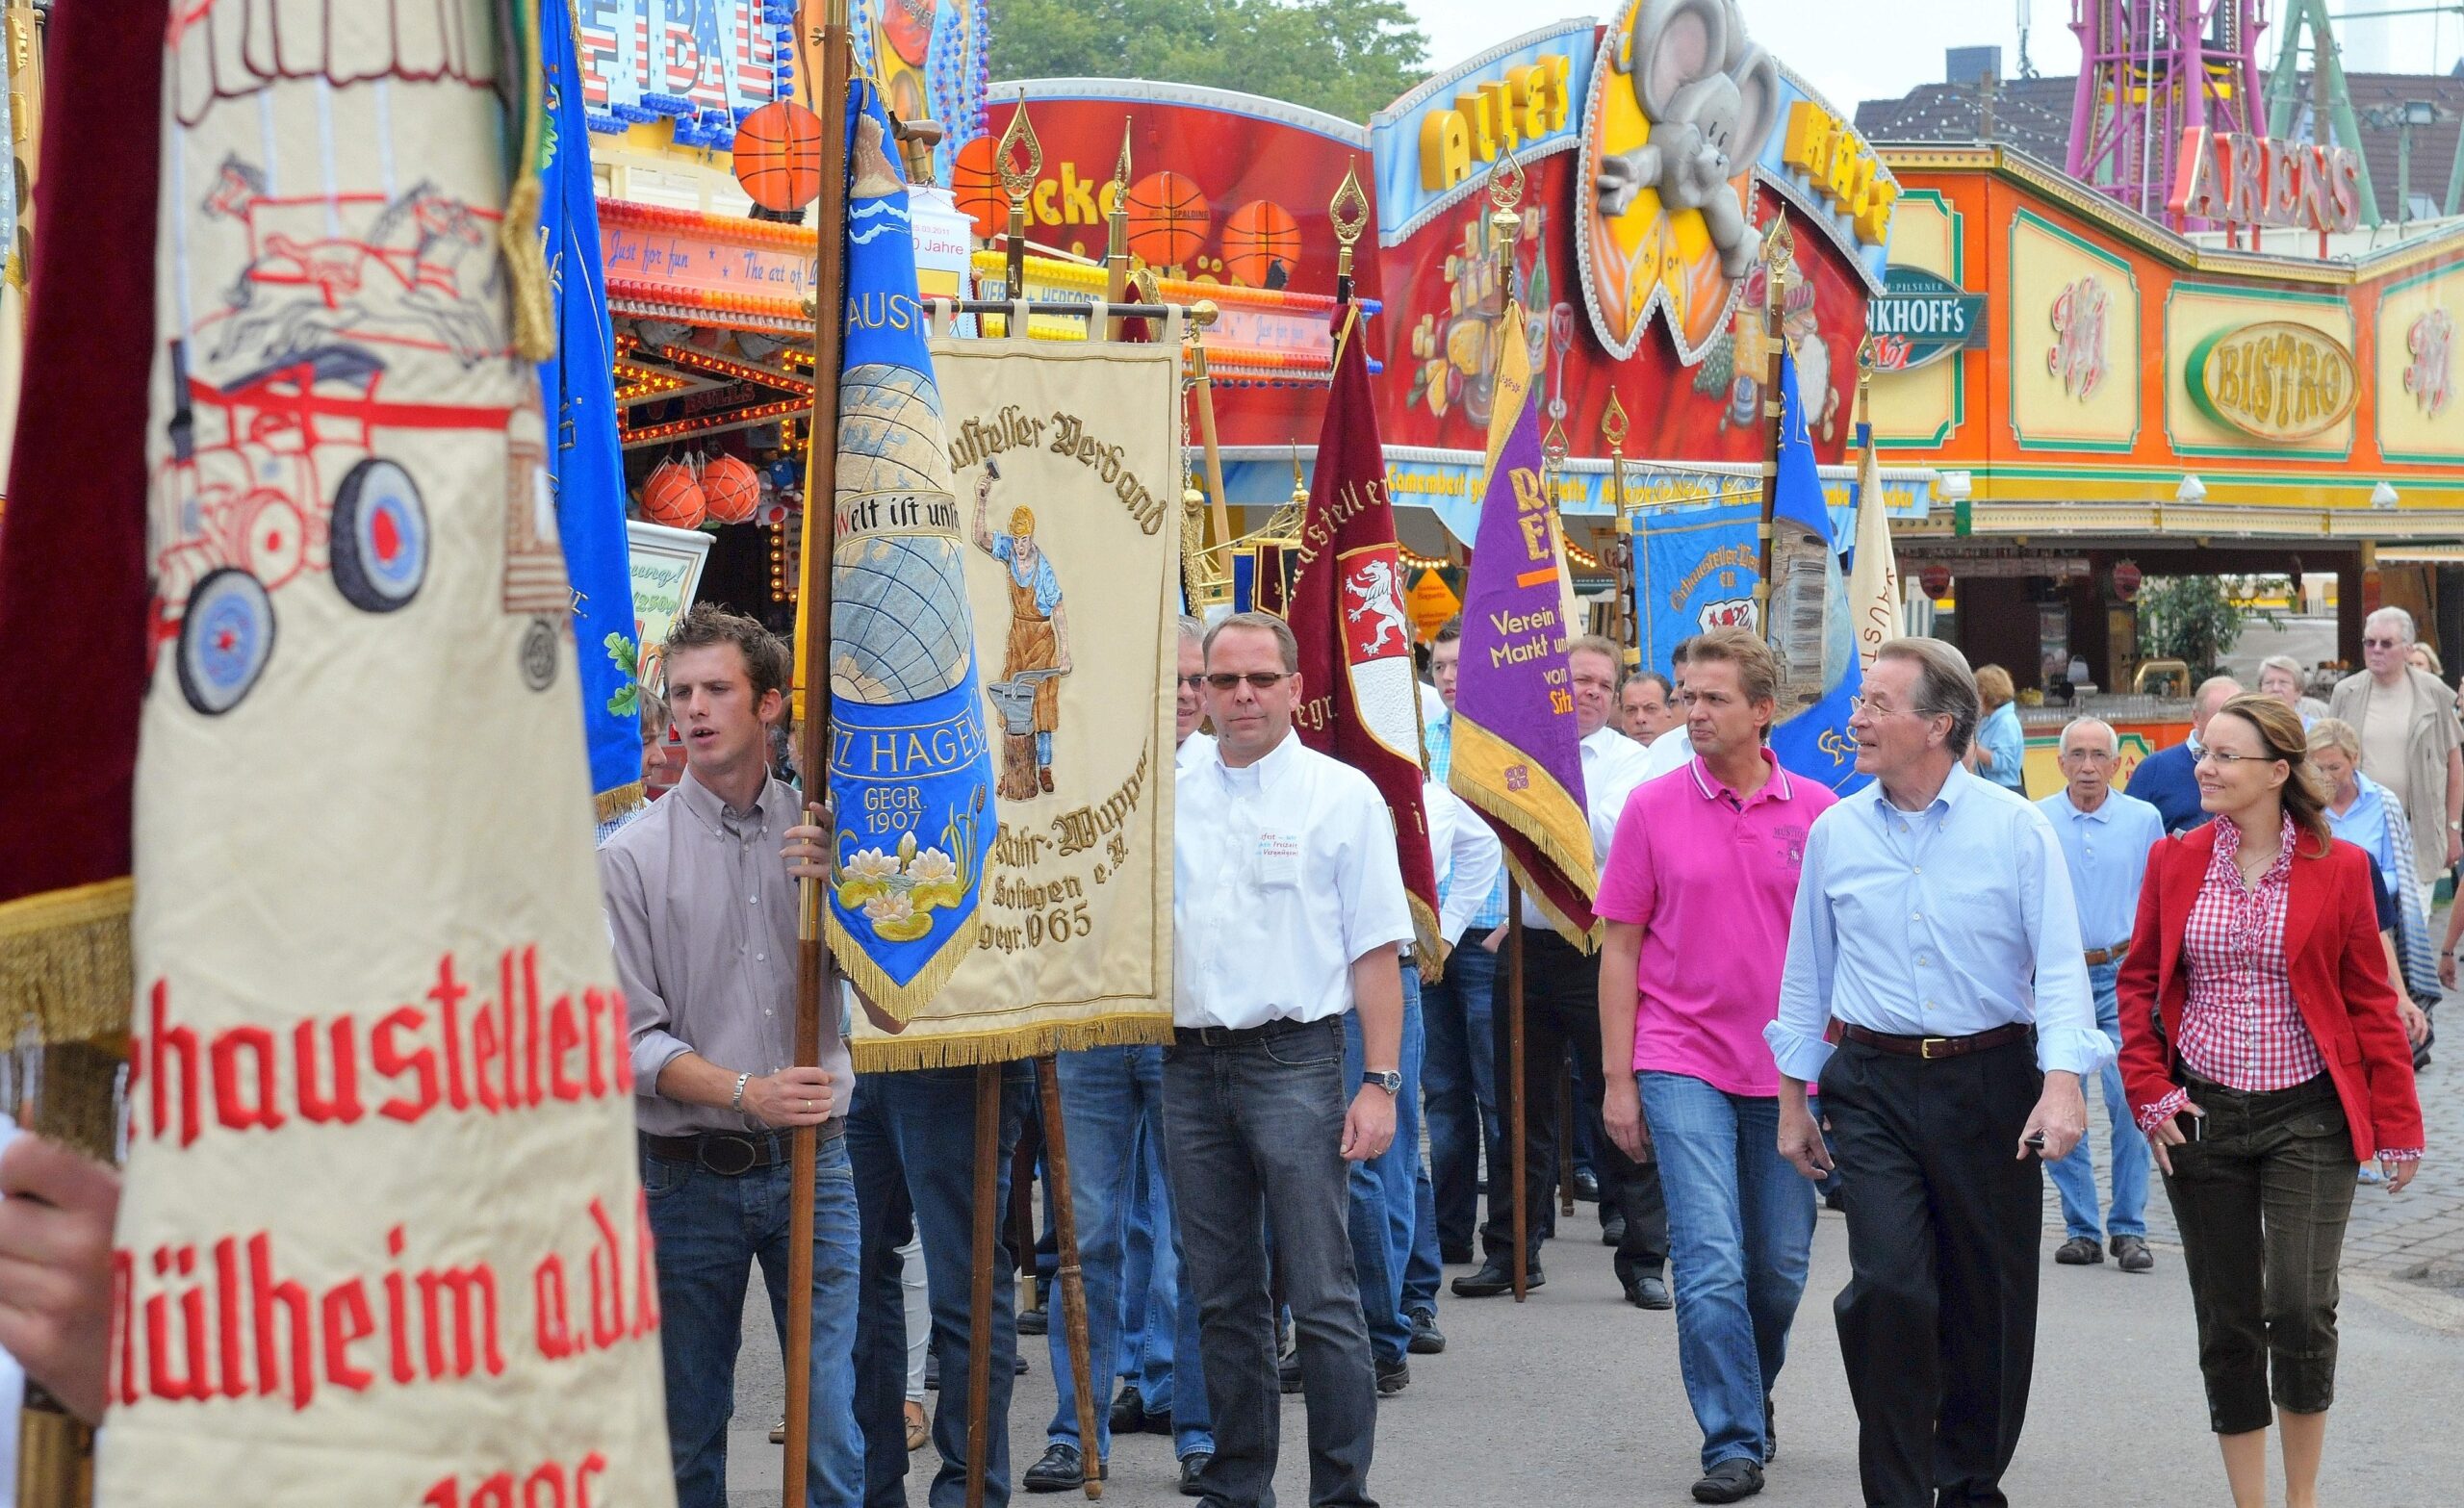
pixel 1840 167
pixel 702 62
pixel 1521 97
pixel 1920 318
pixel 2272 381
pixel 2237 180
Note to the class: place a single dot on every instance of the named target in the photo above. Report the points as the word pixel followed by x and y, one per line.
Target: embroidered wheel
pixel 226 636
pixel 277 542
pixel 379 537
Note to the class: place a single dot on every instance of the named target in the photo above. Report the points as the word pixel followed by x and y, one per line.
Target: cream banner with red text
pixel 1067 459
pixel 382 1241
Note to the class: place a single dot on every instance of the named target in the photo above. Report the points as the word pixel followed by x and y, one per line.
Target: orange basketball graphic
pixel 977 186
pixel 778 156
pixel 1261 244
pixel 673 497
pixel 1167 220
pixel 732 489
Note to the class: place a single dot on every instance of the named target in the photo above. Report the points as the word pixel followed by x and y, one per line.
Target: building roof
pixel 2035 115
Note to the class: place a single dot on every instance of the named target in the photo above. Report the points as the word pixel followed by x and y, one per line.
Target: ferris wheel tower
pixel 2149 70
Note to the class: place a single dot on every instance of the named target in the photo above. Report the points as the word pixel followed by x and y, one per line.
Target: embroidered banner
pixel 1820 670
pixel 1067 456
pixel 382 1239
pixel 911 769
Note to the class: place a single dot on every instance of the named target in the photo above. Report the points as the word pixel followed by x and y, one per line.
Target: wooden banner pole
pixel 1518 1106
pixel 979 1324
pixel 1069 1281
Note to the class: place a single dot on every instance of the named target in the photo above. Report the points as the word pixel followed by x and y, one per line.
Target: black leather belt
pixel 1932 1047
pixel 732 1154
pixel 1246 1036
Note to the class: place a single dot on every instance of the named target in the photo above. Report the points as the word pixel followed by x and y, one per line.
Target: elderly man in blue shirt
pixel 1934 926
pixel 2105 837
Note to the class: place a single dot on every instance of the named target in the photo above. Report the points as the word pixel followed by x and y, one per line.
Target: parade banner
pixel 911 768
pixel 1363 703
pixel 1694 570
pixel 1518 752
pixel 585 463
pixel 1068 458
pixel 1873 566
pixel 1811 629
pixel 381 1239
pixel 21 106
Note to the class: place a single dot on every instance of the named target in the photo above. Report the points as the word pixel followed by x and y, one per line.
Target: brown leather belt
pixel 1932 1047
pixel 2097 958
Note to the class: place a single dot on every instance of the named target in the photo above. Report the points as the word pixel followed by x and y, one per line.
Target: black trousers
pixel 1938 1324
pixel 1561 1010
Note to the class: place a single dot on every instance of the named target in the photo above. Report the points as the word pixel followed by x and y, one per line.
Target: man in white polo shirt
pixel 1289 909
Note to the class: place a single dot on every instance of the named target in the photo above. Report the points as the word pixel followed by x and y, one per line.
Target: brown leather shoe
pixel 2079 1251
pixel 919 1429
pixel 2131 1253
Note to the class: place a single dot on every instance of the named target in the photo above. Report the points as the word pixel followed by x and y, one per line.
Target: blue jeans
pixel 1254 1125
pixel 1459 1088
pixel 1384 1190
pixel 911 1140
pixel 1111 1105
pixel 2074 1174
pixel 1740 1224
pixel 709 1231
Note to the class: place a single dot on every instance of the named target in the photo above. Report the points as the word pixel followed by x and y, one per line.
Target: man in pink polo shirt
pixel 1708 859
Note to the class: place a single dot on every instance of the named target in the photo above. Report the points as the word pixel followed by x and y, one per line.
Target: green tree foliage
pixel 1348 58
pixel 2197 620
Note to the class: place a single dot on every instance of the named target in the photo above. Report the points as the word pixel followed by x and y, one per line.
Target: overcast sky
pixel 1853 50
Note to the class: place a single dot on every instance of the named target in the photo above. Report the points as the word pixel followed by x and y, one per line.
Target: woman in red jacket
pixel 2262 1052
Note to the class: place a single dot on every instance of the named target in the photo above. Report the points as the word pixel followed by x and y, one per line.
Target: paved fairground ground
pixel 1574 1398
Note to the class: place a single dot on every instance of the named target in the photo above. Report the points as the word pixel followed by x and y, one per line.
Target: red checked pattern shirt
pixel 2240 1027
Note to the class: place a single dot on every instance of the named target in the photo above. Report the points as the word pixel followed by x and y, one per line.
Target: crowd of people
pixel 1916 983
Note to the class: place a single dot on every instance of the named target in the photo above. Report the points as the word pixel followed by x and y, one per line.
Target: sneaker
pixel 1059 1471
pixel 1428 1340
pixel 2079 1251
pixel 1733 1481
pixel 1393 1376
pixel 2131 1253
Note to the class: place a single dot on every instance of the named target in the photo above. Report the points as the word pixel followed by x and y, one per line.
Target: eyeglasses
pixel 1193 682
pixel 1870 707
pixel 1258 680
pixel 2220 757
pixel 2382 644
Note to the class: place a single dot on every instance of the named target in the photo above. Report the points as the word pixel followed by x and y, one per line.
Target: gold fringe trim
pixel 898 1002
pixel 1499 802
pixel 608 805
pixel 886 1054
pixel 534 305
pixel 1429 947
pixel 1558 921
pixel 66 967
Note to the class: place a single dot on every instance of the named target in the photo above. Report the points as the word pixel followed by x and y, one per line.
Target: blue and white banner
pixel 1814 742
pixel 910 764
pixel 1694 570
pixel 585 463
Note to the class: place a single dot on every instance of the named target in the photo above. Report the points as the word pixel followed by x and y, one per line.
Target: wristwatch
pixel 1389 1079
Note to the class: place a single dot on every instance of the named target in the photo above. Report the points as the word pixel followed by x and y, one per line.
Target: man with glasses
pixel 1936 941
pixel 2168 779
pixel 1288 910
pixel 2411 742
pixel 2105 837
pixel 1561 1010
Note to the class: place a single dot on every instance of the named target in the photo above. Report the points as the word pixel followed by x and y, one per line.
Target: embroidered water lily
pixel 871 865
pixel 895 919
pixel 932 867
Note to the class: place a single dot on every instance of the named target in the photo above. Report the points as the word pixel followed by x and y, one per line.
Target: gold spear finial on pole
pixel 1018 180
pixel 1116 234
pixel 1614 426
pixel 1348 211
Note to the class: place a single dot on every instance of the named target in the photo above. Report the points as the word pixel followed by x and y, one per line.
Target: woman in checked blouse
pixel 2261 1052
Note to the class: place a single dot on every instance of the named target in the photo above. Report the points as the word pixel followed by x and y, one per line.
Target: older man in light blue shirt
pixel 2105 837
pixel 1936 941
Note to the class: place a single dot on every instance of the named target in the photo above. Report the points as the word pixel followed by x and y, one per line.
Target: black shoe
pixel 1770 1431
pixel 2079 1251
pixel 1835 1200
pixel 1393 1376
pixel 1288 1373
pixel 1059 1471
pixel 1613 1231
pixel 1496 1276
pixel 1428 1340
pixel 1018 1364
pixel 1732 1481
pixel 1129 1413
pixel 1586 1185
pixel 1193 1467
pixel 1650 1291
pixel 1034 1321
pixel 2132 1254
pixel 1454 1255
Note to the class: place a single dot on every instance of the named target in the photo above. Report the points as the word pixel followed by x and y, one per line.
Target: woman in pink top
pixel 2263 1056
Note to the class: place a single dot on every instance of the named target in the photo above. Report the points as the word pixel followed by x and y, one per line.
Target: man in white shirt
pixel 1289 909
pixel 1673 749
pixel 1561 1010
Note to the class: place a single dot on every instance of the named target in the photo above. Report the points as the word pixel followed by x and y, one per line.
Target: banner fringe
pixel 608 805
pixel 886 1053
pixel 1517 814
pixel 525 260
pixel 66 965
pixel 900 1002
pixel 1432 945
pixel 1559 922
